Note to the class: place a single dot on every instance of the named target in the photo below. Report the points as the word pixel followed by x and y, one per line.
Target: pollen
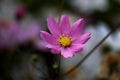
pixel 65 41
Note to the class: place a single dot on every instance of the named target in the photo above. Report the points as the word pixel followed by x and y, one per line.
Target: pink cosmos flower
pixel 65 39
pixel 13 33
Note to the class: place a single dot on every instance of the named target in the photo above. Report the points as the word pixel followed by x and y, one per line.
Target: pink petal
pixel 77 28
pixel 67 53
pixel 53 26
pixel 48 37
pixel 83 38
pixel 55 49
pixel 41 45
pixel 64 24
pixel 77 47
pixel 55 46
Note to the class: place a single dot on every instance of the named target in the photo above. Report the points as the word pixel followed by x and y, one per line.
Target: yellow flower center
pixel 65 41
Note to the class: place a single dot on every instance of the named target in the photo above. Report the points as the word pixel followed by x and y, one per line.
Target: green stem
pixel 89 53
pixel 59 66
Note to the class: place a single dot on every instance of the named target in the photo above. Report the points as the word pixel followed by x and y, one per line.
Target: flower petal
pixel 41 45
pixel 53 26
pixel 55 49
pixel 55 46
pixel 77 28
pixel 83 38
pixel 48 37
pixel 67 53
pixel 64 24
pixel 77 47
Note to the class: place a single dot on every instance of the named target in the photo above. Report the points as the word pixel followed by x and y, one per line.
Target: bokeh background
pixel 23 55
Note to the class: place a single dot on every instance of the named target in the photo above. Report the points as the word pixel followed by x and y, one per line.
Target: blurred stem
pixel 89 53
pixel 59 66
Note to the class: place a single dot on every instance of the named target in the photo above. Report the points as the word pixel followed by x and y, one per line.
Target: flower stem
pixel 89 53
pixel 59 67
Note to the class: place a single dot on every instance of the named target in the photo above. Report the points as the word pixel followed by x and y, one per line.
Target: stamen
pixel 65 41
